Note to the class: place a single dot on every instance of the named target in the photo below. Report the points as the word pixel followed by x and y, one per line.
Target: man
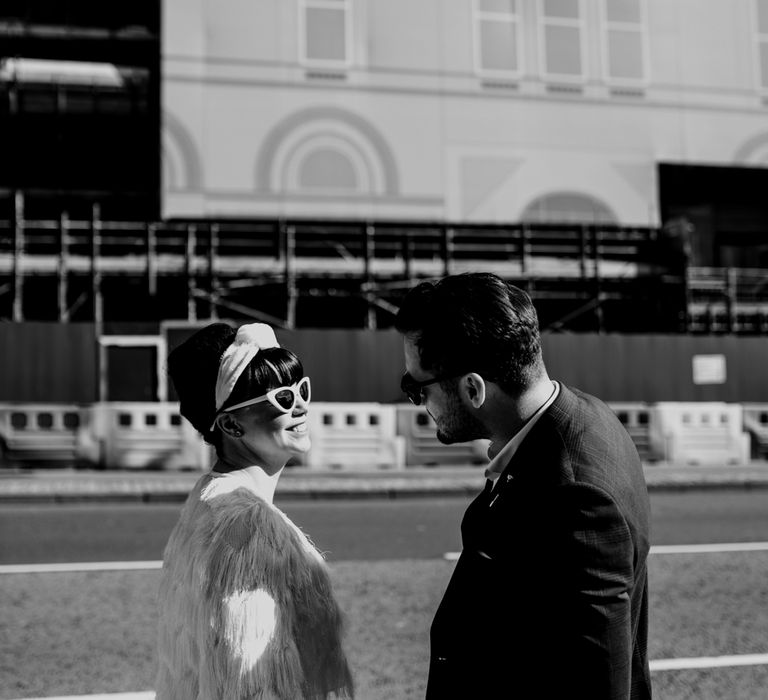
pixel 549 597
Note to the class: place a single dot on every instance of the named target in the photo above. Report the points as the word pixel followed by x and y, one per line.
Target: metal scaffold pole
pixel 213 280
pixel 61 268
pixel 525 252
pixel 18 251
pixel 731 282
pixel 98 301
pixel 190 273
pixel 151 244
pixel 370 318
pixel 407 241
pixel 599 317
pixel 447 249
pixel 291 292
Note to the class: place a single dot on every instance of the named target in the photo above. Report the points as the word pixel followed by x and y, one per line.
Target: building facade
pixel 469 111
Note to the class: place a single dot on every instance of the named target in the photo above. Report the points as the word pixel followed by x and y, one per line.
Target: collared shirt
pixel 501 460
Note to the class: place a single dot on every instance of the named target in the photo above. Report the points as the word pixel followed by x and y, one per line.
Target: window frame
pixel 478 17
pixel 641 27
pixel 580 23
pixel 760 40
pixel 346 7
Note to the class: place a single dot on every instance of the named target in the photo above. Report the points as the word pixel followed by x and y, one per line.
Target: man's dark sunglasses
pixel 413 389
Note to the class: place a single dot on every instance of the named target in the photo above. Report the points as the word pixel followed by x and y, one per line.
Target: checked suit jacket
pixel 549 597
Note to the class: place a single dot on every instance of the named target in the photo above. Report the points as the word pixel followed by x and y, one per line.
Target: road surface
pixel 368 529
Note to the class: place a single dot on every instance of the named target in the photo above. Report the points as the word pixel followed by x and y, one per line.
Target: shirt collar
pixel 500 461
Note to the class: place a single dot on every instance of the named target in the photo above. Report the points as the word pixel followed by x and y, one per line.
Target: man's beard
pixel 457 424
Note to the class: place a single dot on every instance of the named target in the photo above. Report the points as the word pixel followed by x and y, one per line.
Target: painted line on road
pixel 146 695
pixel 684 549
pixel 709 662
pixel 706 548
pixel 449 556
pixel 79 566
pixel 682 664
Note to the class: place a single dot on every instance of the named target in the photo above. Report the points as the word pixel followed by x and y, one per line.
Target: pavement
pixel 70 485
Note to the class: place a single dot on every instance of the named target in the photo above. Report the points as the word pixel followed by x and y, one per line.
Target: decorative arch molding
pixel 354 137
pixel 568 206
pixel 182 169
pixel 754 151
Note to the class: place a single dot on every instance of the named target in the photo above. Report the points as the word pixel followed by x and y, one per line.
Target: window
pixel 561 30
pixel 761 28
pixel 568 207
pixel 497 37
pixel 327 169
pixel 624 41
pixel 325 32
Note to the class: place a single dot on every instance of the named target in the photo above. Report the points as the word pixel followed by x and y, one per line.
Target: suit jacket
pixel 549 597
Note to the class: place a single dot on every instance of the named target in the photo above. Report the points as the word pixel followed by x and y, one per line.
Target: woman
pixel 246 605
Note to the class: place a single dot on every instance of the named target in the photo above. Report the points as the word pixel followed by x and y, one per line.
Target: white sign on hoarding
pixel 709 369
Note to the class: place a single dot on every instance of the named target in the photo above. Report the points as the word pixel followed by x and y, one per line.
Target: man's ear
pixel 229 425
pixel 472 389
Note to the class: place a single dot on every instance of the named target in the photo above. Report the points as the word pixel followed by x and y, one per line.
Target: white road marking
pixel 79 566
pixel 147 695
pixel 684 549
pixel 709 662
pixel 682 664
pixel 449 556
pixel 707 548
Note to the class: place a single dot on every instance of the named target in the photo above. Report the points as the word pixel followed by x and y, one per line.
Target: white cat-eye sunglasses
pixel 283 398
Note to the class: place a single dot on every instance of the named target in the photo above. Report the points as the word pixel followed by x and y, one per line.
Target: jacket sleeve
pixel 597 567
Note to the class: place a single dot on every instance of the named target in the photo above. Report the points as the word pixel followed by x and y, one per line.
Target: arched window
pixel 327 169
pixel 568 207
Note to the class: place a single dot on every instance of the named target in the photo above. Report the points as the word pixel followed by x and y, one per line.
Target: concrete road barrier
pixel 699 433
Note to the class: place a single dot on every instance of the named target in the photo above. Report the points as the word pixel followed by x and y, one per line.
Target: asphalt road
pixel 411 528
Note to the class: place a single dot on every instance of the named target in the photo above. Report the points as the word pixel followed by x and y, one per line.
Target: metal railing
pixel 728 299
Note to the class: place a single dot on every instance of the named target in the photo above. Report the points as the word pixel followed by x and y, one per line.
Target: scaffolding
pixel 582 277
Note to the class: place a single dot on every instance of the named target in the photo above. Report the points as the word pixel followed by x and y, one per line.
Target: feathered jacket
pixel 246 606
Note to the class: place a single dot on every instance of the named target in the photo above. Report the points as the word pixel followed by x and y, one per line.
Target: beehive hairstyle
pixel 193 367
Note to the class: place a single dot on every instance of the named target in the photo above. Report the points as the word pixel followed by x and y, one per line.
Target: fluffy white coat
pixel 246 609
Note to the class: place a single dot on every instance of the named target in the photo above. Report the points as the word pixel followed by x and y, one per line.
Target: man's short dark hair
pixel 474 322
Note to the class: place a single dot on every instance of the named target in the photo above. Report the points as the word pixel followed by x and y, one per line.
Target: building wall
pixel 407 125
pixel 48 362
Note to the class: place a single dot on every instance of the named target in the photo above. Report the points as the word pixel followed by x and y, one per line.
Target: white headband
pixel 249 340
